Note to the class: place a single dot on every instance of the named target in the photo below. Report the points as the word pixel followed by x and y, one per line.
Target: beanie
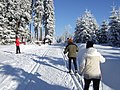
pixel 70 40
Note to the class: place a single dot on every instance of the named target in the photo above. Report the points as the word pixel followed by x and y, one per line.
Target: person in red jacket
pixel 17 45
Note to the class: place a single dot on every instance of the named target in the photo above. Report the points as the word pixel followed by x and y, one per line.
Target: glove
pixel 81 74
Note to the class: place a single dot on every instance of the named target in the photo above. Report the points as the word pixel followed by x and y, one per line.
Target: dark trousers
pixel 17 49
pixel 74 62
pixel 96 83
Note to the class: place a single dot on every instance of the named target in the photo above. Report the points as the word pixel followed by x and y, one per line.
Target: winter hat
pixel 89 44
pixel 70 40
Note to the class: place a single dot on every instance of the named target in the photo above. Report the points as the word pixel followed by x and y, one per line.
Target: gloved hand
pixel 81 74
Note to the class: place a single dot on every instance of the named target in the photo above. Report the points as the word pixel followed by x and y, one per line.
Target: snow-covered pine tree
pixel 23 19
pixel 118 26
pixel 1 21
pixel 86 27
pixel 16 14
pixel 79 28
pixel 119 14
pixel 38 10
pixel 114 30
pixel 103 32
pixel 4 20
pixel 49 19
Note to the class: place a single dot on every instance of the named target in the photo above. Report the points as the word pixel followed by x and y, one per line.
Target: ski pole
pixel 65 57
pixel 101 83
pixel 66 61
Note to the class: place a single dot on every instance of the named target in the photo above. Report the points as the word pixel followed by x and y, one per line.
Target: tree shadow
pixel 27 81
pixel 51 62
pixel 8 52
pixel 111 73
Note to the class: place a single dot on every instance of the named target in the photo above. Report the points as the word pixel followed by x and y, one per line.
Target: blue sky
pixel 67 12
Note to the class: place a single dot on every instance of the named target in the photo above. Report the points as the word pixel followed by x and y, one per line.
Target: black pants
pixel 96 83
pixel 74 62
pixel 17 49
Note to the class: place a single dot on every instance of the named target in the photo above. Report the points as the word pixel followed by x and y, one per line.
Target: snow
pixel 44 68
pixel 1 29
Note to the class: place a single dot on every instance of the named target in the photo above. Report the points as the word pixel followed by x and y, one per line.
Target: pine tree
pixel 38 10
pixel 1 21
pixel 48 19
pixel 103 33
pixel 114 30
pixel 86 27
pixel 16 16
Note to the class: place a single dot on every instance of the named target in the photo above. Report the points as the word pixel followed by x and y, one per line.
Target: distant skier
pixel 72 50
pixel 17 45
pixel 90 66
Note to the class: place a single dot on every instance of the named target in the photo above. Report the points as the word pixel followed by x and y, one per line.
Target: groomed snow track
pixel 34 70
pixel 76 78
pixel 10 85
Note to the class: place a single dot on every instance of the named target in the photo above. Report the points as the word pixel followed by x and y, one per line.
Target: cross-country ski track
pixel 45 67
pixel 47 70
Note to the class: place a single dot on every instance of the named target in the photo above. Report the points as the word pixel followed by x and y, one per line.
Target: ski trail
pixel 27 80
pixel 7 82
pixel 52 62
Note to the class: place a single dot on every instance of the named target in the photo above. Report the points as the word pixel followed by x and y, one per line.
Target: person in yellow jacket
pixel 72 50
pixel 90 66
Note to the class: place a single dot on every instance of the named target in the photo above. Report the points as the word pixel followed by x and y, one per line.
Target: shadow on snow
pixel 24 83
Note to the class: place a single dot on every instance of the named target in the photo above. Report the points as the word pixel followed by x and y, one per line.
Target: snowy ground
pixel 44 68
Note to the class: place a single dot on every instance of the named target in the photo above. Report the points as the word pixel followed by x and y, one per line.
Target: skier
pixel 17 45
pixel 90 66
pixel 72 50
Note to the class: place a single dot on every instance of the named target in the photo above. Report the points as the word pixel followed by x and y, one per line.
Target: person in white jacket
pixel 90 66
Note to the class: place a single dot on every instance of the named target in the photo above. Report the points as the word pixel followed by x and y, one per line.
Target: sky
pixel 45 68
pixel 67 12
